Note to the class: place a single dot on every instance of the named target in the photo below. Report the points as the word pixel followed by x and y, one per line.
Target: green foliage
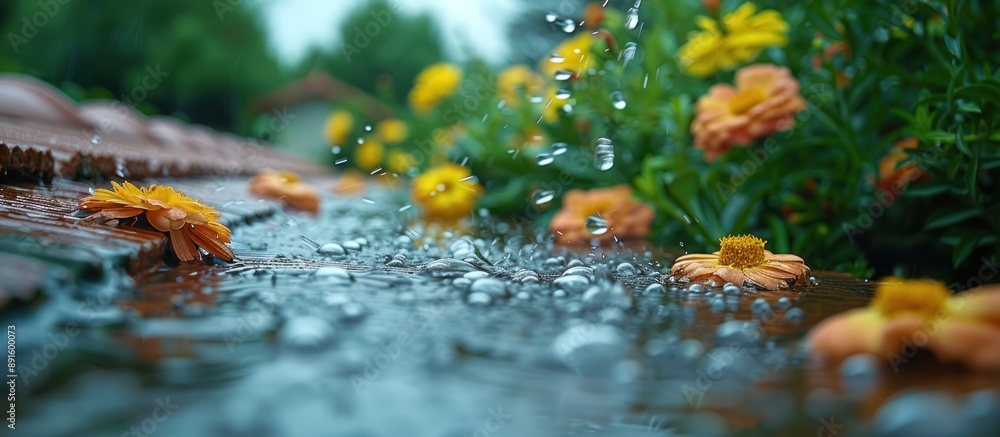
pixel 380 50
pixel 925 72
pixel 216 59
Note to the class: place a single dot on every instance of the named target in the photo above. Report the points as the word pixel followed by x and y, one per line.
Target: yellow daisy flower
pixel 743 35
pixel 369 154
pixel 188 222
pixel 447 192
pixel 433 85
pixel 741 260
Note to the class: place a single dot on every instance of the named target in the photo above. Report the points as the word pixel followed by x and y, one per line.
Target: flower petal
pixel 183 246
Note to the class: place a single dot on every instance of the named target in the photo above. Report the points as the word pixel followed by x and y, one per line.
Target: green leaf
pixel 954 46
pixel 947 217
pixel 960 142
pixel 972 176
pixel 964 248
pixel 779 234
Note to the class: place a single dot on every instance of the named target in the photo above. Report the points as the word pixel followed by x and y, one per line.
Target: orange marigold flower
pixel 189 223
pixel 741 260
pixel 286 187
pixel 893 178
pixel 623 216
pixel 959 330
pixel 764 100
pixel 447 192
pixel 351 182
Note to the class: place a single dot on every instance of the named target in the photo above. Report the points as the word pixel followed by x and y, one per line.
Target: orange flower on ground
pixel 893 178
pixel 350 183
pixel 189 223
pixel 764 100
pixel 446 193
pixel 286 187
pixel 961 330
pixel 741 260
pixel 626 218
pixel 572 55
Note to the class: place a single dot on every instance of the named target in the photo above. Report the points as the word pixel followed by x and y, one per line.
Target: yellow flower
pixel 286 187
pixel 369 154
pixel 743 35
pixel 518 79
pixel 551 105
pixel 741 260
pixel 188 222
pixel 433 85
pixel 572 55
pixel 962 330
pixel 400 161
pixel 447 192
pixel 764 100
pixel 392 130
pixel 338 127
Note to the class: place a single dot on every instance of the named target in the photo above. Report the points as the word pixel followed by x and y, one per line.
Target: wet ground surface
pixel 373 325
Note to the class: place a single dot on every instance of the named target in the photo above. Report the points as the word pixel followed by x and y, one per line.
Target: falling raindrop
pixel 361 140
pixel 335 150
pixel 543 197
pixel 536 99
pixel 618 100
pixel 604 154
pixel 341 161
pixel 628 53
pixel 551 17
pixel 596 224
pixel 559 148
pixel 501 104
pixel 563 94
pixel 545 159
pixel 632 16
pixel 562 75
pixel 556 58
pixel 368 128
pixel 95 139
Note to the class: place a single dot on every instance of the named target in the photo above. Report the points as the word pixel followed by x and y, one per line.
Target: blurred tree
pixel 201 59
pixel 378 42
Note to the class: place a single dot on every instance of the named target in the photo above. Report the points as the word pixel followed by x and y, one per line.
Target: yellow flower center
pixel 924 298
pixel 741 251
pixel 746 99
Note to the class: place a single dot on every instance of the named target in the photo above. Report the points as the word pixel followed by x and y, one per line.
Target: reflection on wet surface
pixel 370 327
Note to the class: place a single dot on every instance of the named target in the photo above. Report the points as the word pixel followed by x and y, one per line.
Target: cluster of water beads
pixel 566 24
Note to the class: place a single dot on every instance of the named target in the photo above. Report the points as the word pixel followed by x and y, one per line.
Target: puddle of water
pixel 409 332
